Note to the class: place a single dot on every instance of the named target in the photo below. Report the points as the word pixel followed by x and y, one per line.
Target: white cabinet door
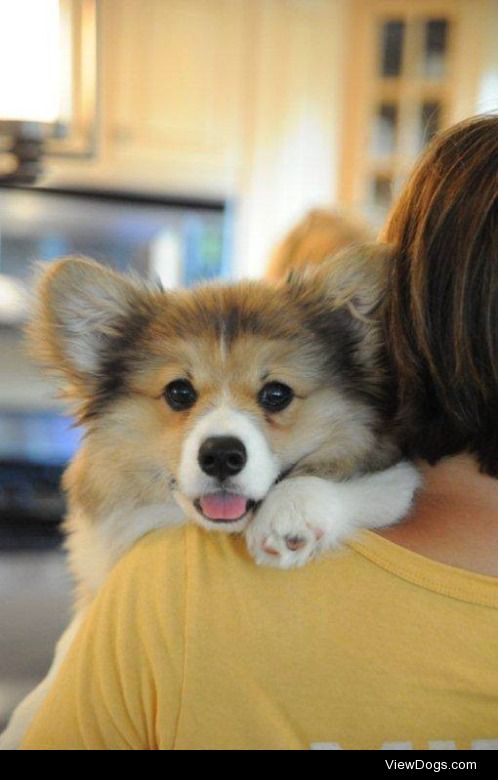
pixel 173 76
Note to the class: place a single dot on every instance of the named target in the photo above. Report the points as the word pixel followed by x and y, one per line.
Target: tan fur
pixel 228 341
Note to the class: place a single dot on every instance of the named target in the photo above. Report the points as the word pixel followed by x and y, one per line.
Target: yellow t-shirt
pixel 189 645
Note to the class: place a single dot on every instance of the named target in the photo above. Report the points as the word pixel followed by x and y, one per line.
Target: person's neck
pixel 455 517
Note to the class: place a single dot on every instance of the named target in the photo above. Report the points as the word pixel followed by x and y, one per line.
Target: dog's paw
pixel 304 516
pixel 385 496
pixel 293 524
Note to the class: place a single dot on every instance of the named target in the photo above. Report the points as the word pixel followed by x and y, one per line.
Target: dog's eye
pixel 275 396
pixel 180 395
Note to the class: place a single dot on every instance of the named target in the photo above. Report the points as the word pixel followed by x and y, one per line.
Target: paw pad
pixel 295 542
pixel 269 550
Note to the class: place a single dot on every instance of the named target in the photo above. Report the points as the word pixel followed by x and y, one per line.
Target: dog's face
pixel 212 394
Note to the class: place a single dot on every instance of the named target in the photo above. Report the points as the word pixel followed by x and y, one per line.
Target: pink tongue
pixel 223 506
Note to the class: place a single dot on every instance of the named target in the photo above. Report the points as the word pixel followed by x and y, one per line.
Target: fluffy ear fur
pixel 342 302
pixel 353 278
pixel 82 312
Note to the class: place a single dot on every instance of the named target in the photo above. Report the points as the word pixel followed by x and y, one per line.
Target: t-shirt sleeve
pixel 105 694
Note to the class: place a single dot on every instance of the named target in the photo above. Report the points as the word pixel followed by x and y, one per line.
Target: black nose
pixel 222 456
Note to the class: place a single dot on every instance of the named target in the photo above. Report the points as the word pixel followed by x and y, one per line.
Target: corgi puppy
pixel 246 408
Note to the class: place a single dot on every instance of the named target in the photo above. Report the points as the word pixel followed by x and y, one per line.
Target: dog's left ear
pixel 354 278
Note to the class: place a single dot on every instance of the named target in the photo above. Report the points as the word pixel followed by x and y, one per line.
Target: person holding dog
pixel 390 643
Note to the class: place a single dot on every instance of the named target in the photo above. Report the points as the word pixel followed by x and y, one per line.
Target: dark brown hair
pixel 442 302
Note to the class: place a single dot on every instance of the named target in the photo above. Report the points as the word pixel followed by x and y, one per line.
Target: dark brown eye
pixel 180 395
pixel 275 396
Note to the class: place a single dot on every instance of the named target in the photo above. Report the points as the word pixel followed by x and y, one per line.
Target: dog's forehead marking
pixel 223 344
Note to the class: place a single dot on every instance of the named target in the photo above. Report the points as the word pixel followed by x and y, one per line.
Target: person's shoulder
pixel 169 560
pixel 175 542
pixel 166 553
pixel 163 548
pixel 159 541
pixel 149 578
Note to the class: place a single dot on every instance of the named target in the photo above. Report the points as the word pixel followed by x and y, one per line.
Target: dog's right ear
pixel 82 312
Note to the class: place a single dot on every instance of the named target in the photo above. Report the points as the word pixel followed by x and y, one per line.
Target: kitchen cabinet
pixel 173 87
pixel 237 100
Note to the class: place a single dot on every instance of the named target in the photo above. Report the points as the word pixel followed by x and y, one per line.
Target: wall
pixel 294 138
pixel 487 98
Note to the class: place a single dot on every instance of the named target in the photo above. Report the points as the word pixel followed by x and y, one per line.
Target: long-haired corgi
pixel 247 408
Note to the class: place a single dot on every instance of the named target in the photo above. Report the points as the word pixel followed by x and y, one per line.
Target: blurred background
pixel 183 139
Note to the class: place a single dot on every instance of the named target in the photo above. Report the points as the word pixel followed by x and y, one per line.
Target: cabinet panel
pixel 174 80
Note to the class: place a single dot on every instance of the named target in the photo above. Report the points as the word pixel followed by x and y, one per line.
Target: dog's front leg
pixel 23 715
pixel 304 516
